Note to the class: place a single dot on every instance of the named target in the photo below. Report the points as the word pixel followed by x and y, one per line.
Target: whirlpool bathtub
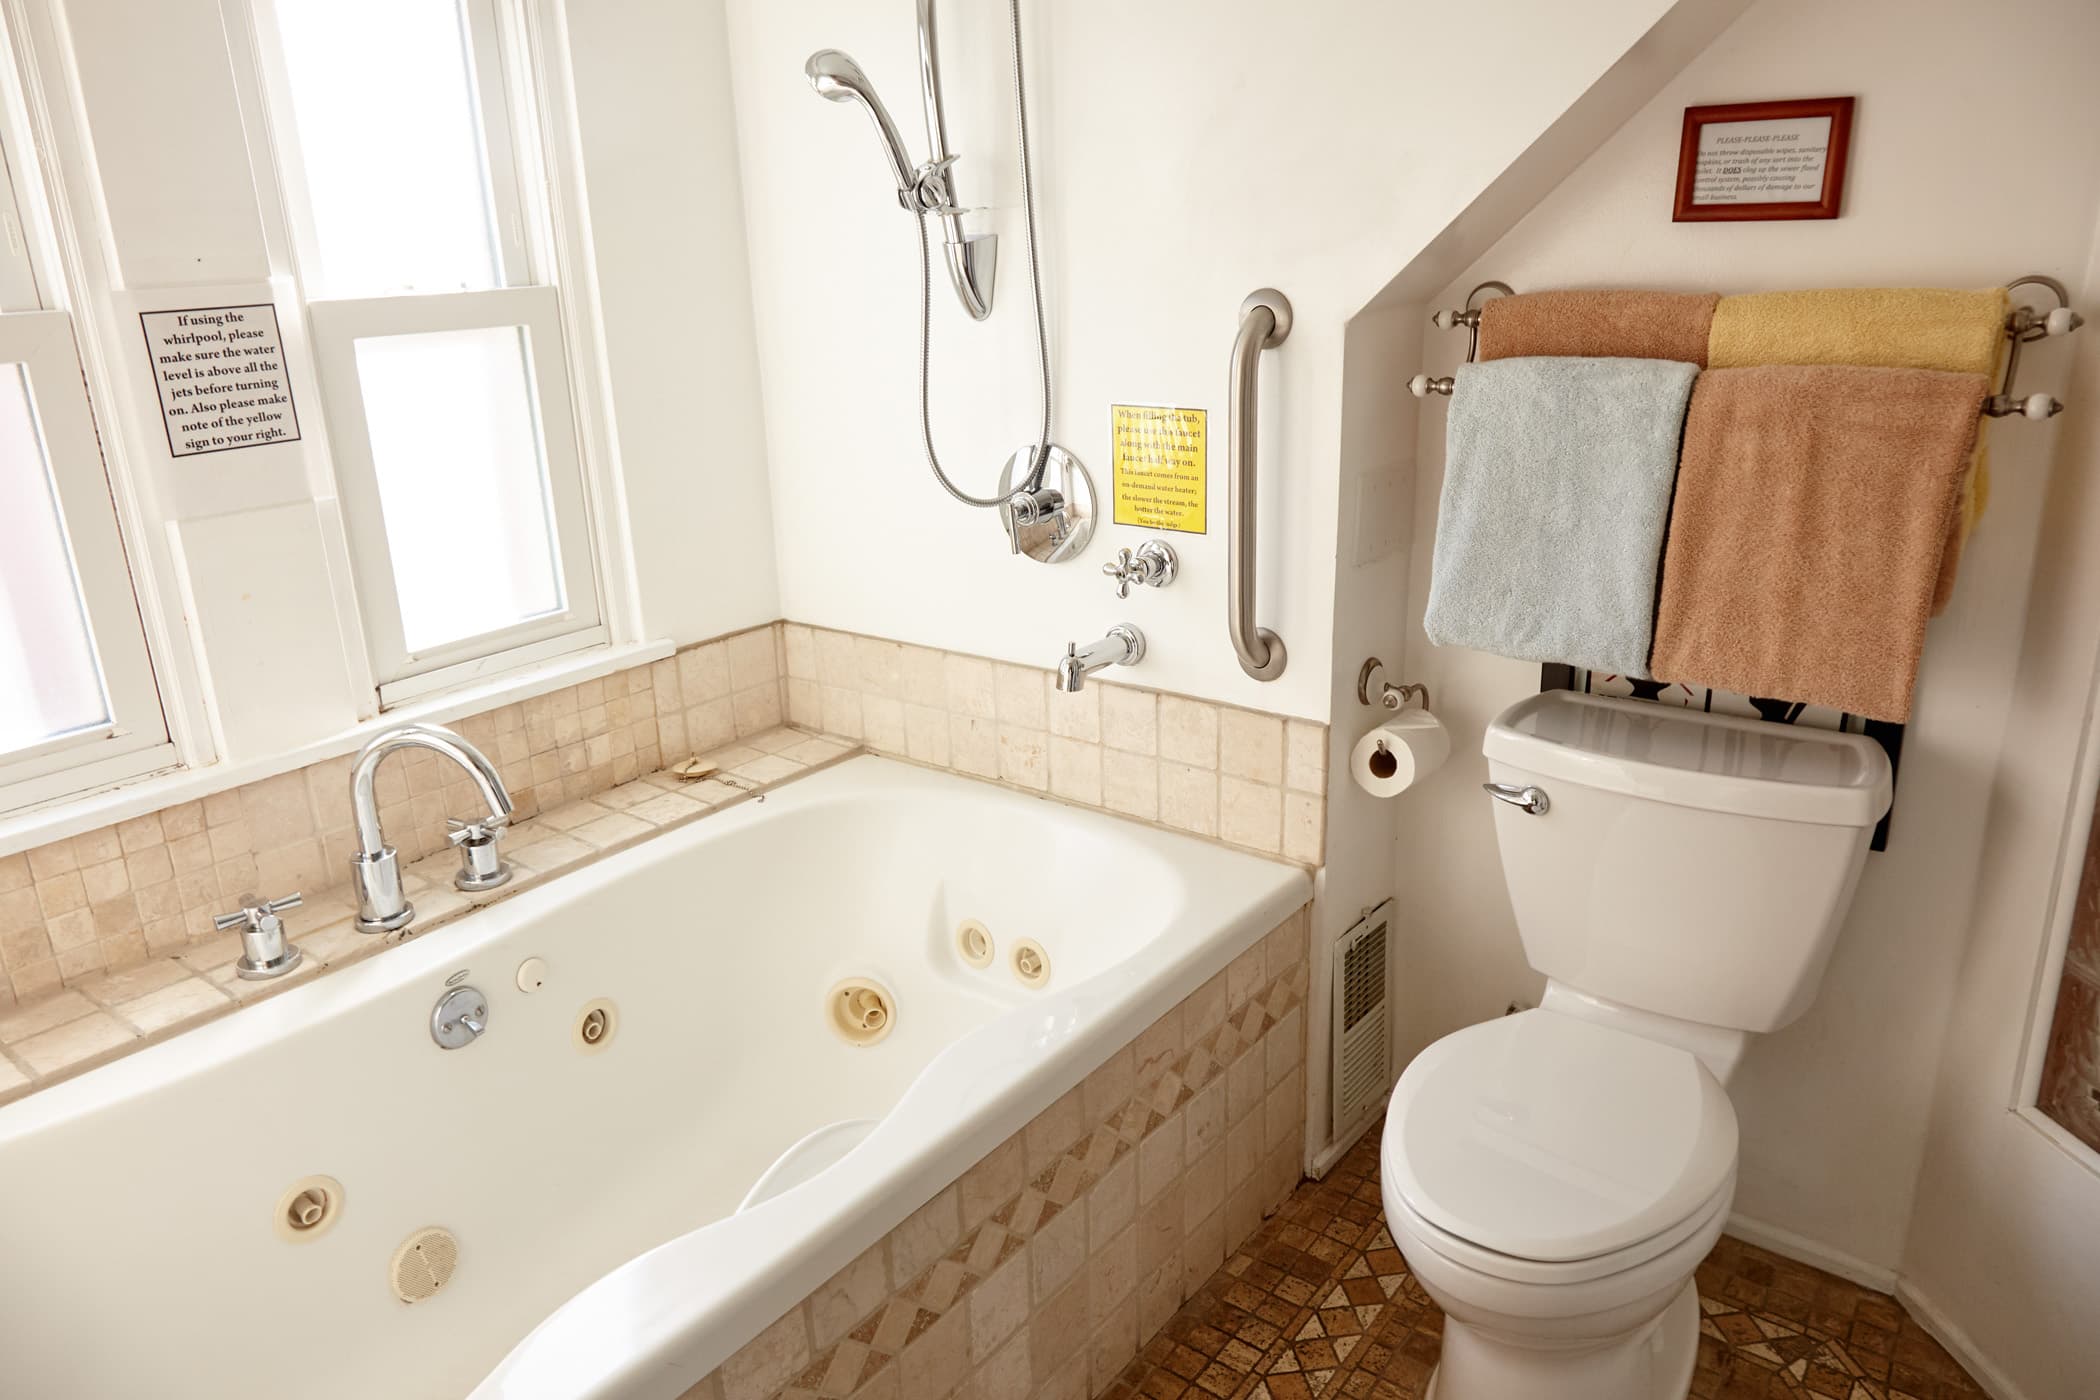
pixel 755 1046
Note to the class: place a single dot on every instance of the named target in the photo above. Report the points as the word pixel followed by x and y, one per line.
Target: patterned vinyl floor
pixel 1320 1304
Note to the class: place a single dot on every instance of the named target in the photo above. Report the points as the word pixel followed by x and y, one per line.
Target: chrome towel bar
pixel 2022 325
pixel 1265 323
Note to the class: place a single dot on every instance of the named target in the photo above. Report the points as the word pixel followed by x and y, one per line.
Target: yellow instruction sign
pixel 1159 466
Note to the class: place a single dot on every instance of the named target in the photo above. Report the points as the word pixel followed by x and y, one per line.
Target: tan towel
pixel 1812 513
pixel 1898 327
pixel 1633 325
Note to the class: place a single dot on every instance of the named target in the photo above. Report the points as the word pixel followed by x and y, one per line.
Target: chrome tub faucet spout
pixel 375 871
pixel 1123 646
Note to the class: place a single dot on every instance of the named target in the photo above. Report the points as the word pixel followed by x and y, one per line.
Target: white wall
pixel 1954 181
pixel 1186 153
pixel 667 219
pixel 2001 1248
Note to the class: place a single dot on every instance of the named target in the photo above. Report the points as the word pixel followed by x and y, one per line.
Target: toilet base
pixel 1652 1364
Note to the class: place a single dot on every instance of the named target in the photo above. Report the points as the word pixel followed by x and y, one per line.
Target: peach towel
pixel 1632 325
pixel 1895 327
pixel 1812 513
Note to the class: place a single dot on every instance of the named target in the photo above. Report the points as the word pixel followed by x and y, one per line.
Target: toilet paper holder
pixel 1392 697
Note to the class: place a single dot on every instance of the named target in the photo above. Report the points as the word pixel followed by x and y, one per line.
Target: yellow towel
pixel 1892 327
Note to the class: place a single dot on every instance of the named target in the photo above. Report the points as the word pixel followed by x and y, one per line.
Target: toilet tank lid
pixel 1721 763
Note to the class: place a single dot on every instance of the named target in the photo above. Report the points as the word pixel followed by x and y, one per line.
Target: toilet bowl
pixel 1553 1184
pixel 1554 1177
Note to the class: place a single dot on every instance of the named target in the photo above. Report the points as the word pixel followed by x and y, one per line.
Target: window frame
pixel 40 332
pixel 523 206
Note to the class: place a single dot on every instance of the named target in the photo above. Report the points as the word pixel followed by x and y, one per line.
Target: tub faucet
pixel 1123 646
pixel 375 871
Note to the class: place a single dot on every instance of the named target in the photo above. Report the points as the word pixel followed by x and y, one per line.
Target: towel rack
pixel 2022 325
pixel 1265 323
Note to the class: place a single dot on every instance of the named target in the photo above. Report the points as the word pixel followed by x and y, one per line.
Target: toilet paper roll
pixel 1397 754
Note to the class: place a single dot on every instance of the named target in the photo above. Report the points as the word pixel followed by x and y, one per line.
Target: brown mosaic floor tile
pixel 1319 1305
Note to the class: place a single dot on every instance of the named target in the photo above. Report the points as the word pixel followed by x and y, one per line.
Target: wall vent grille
pixel 1362 1051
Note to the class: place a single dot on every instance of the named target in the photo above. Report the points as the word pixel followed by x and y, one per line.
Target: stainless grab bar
pixel 1265 323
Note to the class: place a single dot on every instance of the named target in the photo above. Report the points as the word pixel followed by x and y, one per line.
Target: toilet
pixel 1554 1177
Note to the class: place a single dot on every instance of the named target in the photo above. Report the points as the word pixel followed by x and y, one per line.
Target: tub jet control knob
pixel 459 1018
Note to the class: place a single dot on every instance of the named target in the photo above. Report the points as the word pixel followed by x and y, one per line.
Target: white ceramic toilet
pixel 1554 1177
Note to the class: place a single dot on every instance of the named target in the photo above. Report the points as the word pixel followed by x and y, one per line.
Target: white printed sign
pixel 1762 162
pixel 222 379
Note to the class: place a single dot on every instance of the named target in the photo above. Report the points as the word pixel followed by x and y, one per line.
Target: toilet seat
pixel 1542 1147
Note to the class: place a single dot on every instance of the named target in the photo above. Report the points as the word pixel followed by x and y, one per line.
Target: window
pixel 408 160
pixel 78 704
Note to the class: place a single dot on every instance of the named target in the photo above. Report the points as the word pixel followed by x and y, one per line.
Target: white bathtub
pixel 594 1195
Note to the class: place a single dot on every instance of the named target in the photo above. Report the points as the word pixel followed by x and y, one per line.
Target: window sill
pixel 54 821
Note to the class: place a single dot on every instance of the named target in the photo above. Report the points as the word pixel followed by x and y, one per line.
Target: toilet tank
pixel 1688 864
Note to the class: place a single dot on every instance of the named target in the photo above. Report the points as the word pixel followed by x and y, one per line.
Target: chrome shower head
pixel 837 78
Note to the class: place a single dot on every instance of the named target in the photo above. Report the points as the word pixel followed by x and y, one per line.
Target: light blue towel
pixel 1557 481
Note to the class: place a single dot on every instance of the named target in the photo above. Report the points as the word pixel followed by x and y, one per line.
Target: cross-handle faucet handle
pixel 1153 565
pixel 1121 571
pixel 254 910
pixel 481 863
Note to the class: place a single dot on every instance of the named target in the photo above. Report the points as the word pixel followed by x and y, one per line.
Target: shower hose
pixel 1034 480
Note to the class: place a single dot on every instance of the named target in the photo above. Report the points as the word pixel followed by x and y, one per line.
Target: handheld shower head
pixel 837 78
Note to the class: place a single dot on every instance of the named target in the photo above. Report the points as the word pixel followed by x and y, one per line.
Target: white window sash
pixel 135 739
pixel 336 327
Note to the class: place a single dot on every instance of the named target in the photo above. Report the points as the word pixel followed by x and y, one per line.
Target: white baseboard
pixel 1995 1382
pixel 1807 1251
pixel 1323 1161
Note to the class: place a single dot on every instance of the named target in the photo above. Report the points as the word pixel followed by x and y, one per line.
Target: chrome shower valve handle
pixel 1152 566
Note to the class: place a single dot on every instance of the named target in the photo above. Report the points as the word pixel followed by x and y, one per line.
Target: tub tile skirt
pixel 1044 1268
pixel 1320 1305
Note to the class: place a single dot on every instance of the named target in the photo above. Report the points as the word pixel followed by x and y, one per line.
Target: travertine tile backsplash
pixel 148 887
pixel 1243 777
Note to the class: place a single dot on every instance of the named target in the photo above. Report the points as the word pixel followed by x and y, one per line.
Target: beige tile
pixel 927 1234
pixel 1076 714
pixel 14 872
pixel 1188 731
pixel 926 734
pixel 801 648
pixel 1305 756
pixel 94 847
pixel 1250 746
pixel 936 1363
pixel 1021 696
pixel 72 1042
pixel 841 713
pixel 838 659
pixel 878 667
pixel 278 806
pixel 34 1018
pixel 1250 814
pixel 613 829
pixel 1059 1328
pixel 1057 1252
pixel 768 1361
pixel 11 1078
pixel 1130 784
pixel 58 893
pixel 1304 820
pixel 1129 719
pixel 185 1000
pixel 665 808
pixel 882 723
pixel 969 687
pixel 1075 770
pixel 132 983
pixel 1160 1160
pixel 48 862
pixel 839 1304
pixel 1188 798
pixel 751 659
pixel 924 677
pixel 1024 757
pixel 999 1306
pixel 703 673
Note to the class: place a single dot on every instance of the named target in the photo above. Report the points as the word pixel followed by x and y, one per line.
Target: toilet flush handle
pixel 1531 799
